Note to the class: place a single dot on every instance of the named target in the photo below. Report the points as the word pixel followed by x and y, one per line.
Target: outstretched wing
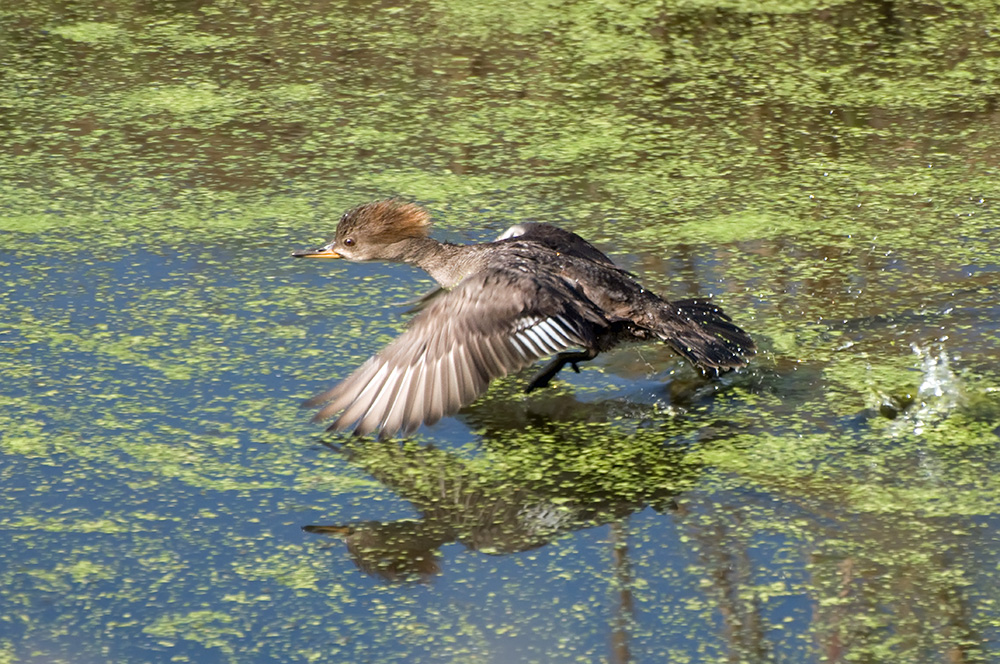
pixel 493 323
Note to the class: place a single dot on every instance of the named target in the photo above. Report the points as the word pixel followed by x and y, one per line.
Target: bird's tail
pixel 705 335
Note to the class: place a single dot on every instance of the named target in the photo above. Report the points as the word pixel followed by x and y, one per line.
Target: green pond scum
pixel 826 170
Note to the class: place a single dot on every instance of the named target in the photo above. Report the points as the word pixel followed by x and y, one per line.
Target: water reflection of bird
pixel 535 292
pixel 394 551
pixel 458 500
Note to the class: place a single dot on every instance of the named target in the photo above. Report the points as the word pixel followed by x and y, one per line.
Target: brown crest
pixel 382 220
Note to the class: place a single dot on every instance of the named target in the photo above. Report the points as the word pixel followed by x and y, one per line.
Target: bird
pixel 536 291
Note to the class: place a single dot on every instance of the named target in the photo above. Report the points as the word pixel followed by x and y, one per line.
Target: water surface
pixel 826 171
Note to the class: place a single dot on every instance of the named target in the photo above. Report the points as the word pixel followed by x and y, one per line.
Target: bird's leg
pixel 558 362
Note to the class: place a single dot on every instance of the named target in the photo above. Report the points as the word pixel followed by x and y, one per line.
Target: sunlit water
pixel 825 172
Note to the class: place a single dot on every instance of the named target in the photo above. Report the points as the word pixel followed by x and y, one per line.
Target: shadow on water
pixel 511 504
pixel 500 501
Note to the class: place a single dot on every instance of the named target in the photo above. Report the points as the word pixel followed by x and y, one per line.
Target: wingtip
pixel 311 402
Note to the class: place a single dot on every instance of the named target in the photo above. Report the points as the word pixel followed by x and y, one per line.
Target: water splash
pixel 939 393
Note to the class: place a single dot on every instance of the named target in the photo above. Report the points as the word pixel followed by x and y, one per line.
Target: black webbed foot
pixel 545 376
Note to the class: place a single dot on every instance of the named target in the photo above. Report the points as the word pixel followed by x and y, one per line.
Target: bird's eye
pixel 349 242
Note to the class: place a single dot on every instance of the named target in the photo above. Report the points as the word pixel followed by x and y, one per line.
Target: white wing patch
pixel 516 230
pixel 543 336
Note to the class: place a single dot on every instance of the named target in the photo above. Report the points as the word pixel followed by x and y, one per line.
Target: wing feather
pixel 396 411
pixel 458 343
pixel 434 392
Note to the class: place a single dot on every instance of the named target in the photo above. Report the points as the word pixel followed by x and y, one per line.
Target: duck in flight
pixel 536 291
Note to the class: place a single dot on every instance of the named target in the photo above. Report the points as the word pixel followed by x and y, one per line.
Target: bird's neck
pixel 447 263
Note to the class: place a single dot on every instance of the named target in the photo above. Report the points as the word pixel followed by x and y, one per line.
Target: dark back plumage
pixel 557 239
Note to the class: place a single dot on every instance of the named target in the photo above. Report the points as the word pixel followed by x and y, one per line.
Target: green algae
pixel 826 169
pixel 89 31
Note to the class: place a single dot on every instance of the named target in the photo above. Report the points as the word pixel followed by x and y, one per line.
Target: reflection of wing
pixel 493 323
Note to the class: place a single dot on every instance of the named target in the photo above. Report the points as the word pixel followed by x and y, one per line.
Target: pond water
pixel 827 171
